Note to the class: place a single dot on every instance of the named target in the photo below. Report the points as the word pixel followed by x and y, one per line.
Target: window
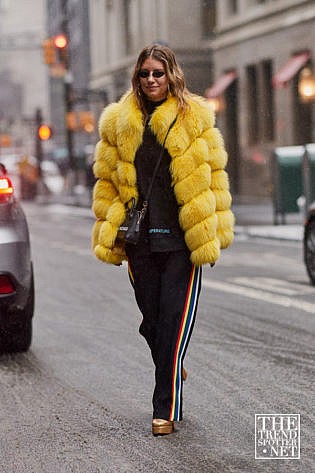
pixel 232 135
pixel 208 17
pixel 260 103
pixel 232 7
pixel 255 3
pixel 252 101
pixel 267 102
pixel 4 5
pixel 127 19
pixel 302 117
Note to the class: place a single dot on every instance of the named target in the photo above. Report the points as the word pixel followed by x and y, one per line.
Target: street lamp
pixel 306 90
pixel 306 86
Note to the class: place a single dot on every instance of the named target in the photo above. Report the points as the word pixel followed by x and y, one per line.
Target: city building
pixel 247 57
pixel 121 28
pixel 259 51
pixel 23 76
pixel 70 99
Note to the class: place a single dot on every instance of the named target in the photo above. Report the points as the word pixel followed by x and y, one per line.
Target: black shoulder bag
pixel 129 231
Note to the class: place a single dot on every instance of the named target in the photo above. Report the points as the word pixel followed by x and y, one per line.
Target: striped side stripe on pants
pixel 187 323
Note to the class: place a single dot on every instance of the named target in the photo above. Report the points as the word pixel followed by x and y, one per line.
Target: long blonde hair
pixel 175 75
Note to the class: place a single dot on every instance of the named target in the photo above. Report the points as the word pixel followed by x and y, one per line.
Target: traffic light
pixel 87 121
pixel 82 120
pixel 49 51
pixel 61 43
pixel 5 141
pixel 44 132
pixel 72 121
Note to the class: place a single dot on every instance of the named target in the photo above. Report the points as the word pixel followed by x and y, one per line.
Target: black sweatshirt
pixel 161 230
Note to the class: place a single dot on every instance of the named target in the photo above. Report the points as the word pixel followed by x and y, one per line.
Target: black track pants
pixel 167 288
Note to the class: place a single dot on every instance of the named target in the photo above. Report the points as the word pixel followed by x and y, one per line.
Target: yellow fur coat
pixel 200 182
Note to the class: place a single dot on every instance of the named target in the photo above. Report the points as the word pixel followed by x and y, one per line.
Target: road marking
pixel 257 294
pixel 274 285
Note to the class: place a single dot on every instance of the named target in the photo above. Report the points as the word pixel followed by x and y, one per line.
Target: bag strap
pixel 147 196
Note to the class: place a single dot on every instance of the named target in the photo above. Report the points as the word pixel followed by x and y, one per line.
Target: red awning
pixel 292 67
pixel 221 84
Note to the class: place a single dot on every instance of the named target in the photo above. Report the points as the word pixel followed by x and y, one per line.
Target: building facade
pixel 121 28
pixel 23 76
pixel 69 98
pixel 244 55
pixel 259 50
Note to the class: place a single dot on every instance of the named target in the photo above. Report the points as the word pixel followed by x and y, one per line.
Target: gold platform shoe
pixel 162 427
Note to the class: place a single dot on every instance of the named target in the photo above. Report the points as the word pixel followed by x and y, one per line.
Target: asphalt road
pixel 80 400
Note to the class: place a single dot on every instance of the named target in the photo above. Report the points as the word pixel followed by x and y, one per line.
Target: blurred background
pixel 62 61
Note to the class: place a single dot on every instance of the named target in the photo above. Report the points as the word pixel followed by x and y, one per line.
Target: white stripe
pixel 260 295
pixel 273 285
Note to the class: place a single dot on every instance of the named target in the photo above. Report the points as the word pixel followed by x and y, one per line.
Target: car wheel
pixel 29 307
pixel 16 337
pixel 17 329
pixel 309 250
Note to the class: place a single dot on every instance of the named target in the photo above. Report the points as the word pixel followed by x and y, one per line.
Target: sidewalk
pixel 256 220
pixel 252 219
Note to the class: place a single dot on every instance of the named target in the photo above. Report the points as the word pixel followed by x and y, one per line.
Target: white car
pixel 52 177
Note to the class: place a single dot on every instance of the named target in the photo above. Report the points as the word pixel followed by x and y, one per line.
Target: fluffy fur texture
pixel 200 183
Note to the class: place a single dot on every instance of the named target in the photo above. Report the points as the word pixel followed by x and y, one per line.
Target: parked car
pixel 23 173
pixel 309 243
pixel 16 272
pixel 52 177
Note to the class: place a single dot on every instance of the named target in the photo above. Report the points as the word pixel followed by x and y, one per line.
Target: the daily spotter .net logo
pixel 277 436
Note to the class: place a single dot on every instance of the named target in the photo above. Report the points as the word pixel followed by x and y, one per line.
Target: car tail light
pixel 6 285
pixel 6 187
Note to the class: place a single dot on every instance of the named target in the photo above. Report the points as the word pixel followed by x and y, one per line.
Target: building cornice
pixel 240 32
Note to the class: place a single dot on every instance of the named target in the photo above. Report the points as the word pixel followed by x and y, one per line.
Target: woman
pixel 188 219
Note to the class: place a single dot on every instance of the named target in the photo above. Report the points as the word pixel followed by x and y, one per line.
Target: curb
pixel 273 232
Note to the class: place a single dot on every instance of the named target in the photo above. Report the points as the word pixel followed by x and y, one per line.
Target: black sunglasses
pixel 144 74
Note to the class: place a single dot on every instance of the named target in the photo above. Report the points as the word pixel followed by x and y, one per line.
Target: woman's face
pixel 153 80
